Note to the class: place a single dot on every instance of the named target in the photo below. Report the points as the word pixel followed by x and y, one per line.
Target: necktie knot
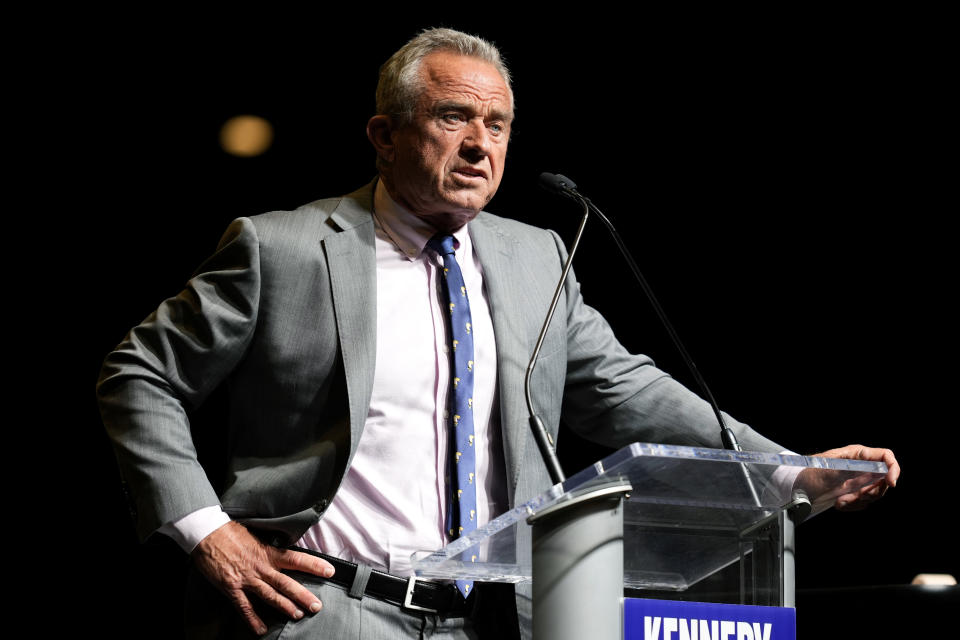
pixel 442 244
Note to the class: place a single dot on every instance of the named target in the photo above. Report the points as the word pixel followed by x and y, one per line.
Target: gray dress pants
pixel 493 617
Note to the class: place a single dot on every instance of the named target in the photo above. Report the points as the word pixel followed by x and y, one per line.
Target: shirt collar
pixel 409 232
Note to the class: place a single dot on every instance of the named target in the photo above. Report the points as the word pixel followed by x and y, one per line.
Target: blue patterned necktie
pixel 462 499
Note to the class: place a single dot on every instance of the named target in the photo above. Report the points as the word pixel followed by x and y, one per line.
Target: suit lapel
pixel 351 258
pixel 498 256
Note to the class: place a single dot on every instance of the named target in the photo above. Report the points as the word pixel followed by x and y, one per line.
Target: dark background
pixel 780 179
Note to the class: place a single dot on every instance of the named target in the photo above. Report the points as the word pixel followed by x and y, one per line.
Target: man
pixel 330 325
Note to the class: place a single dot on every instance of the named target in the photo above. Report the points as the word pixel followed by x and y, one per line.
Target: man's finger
pixel 266 592
pixel 893 468
pixel 243 605
pixel 305 562
pixel 296 592
pixel 860 498
pixel 885 456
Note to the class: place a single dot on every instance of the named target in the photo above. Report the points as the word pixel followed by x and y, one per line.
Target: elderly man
pixel 374 346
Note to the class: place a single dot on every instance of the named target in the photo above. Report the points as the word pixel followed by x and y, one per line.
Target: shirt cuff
pixel 189 530
pixel 783 478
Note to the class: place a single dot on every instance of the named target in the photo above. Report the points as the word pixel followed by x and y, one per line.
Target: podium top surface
pixel 713 497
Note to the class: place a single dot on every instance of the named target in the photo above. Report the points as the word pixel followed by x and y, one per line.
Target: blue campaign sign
pixel 645 619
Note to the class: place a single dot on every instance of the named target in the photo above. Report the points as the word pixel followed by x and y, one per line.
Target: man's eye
pixel 496 129
pixel 453 118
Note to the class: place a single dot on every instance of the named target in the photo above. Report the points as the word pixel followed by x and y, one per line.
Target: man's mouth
pixel 471 173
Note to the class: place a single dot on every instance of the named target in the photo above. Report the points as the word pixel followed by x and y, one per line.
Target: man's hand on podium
pixel 865 495
pixel 859 496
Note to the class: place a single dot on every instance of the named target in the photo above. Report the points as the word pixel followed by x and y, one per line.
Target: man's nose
pixel 476 139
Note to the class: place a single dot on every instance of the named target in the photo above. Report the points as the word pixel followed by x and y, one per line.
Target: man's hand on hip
pixel 240 565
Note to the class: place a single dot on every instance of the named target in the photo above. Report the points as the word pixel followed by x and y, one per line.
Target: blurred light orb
pixel 246 136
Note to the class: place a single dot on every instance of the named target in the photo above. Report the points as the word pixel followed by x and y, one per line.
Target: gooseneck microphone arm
pixel 728 437
pixel 540 434
pixel 564 186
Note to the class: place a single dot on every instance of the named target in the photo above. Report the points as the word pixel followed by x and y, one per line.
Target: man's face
pixel 448 161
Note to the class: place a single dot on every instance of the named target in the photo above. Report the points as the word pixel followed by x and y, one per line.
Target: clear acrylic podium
pixel 655 518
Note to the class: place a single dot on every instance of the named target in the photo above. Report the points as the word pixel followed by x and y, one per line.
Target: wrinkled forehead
pixel 450 77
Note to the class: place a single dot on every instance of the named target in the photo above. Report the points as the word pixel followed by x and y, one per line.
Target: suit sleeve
pixel 616 398
pixel 166 366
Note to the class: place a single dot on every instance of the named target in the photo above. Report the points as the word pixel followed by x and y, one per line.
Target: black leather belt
pixel 408 593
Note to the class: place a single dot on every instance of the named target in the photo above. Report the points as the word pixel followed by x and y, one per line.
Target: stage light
pixel 246 136
pixel 934 579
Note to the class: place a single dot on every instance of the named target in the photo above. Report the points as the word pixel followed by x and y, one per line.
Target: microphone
pixel 562 185
pixel 557 183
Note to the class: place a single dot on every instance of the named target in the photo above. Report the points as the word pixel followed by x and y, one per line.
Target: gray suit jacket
pixel 285 314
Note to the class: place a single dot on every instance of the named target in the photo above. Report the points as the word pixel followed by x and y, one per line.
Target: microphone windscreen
pixel 556 182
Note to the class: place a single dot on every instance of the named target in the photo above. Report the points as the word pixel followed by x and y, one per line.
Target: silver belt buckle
pixel 408 598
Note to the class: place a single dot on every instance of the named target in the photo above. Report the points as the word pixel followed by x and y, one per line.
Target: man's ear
pixel 380 133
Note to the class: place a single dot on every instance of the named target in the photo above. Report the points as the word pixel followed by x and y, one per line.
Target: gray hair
pixel 400 83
